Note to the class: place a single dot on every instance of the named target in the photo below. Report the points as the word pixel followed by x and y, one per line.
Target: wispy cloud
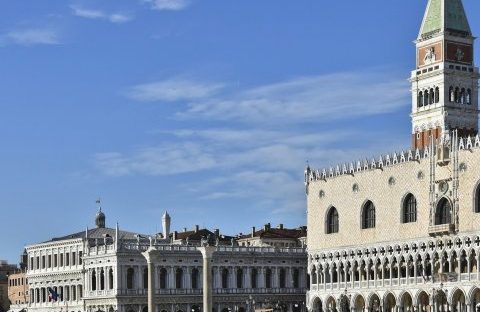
pixel 170 5
pixel 98 14
pixel 175 89
pixel 317 98
pixel 32 36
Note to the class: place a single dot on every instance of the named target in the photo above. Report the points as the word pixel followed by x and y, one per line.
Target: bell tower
pixel 445 81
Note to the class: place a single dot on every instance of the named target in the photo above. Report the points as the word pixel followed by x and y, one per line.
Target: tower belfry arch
pixel 445 81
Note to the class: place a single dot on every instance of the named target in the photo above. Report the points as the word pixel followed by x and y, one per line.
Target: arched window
pixel 145 278
pixel 437 94
pixel 443 215
pixel 409 209
pixel 195 278
pixel 425 98
pixel 457 95
pixel 110 278
pixel 224 278
pixel 477 199
pixel 268 278
pixel 253 278
pixel 179 278
pixel 102 279
pixel 420 99
pixel 469 97
pixel 332 221
pixel 94 280
pixel 163 278
pixel 451 94
pixel 431 97
pixel 130 274
pixel 239 278
pixel 368 215
pixel 463 96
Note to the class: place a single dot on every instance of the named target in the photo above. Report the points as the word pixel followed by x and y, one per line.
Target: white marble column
pixel 207 253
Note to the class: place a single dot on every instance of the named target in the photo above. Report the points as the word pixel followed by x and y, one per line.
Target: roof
pixel 198 235
pixel 444 15
pixel 278 233
pixel 97 233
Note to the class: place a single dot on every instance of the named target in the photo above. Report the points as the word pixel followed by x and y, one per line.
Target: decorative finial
pixel 99 204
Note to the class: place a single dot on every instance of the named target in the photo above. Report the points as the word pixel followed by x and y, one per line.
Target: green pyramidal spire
pixel 444 15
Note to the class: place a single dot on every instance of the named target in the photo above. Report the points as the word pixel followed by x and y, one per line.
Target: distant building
pixel 274 237
pixel 103 269
pixel 5 271
pixel 18 290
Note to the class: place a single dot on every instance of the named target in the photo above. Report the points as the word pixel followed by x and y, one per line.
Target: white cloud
pixel 317 98
pixel 175 89
pixel 34 36
pixel 97 14
pixel 170 5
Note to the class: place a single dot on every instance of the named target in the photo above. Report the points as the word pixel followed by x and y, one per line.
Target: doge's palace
pixel 401 232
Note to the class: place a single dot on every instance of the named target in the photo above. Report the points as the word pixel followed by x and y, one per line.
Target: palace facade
pixel 401 232
pixel 103 269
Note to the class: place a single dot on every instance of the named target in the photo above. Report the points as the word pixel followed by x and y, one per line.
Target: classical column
pixel 151 279
pixel 207 253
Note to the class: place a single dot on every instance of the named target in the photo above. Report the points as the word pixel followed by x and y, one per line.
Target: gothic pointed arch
pixel 409 208
pixel 331 221
pixel 368 217
pixel 476 198
pixel 443 212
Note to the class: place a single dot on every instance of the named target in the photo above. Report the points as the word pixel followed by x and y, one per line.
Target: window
pixel 282 278
pixel 268 278
pixel 437 94
pixel 179 279
pixel 102 279
pixel 469 97
pixel 74 258
pixel 195 278
pixel 239 278
pixel 110 278
pixel 332 221
pixel 368 216
pixel 224 278
pixel 409 209
pixel 296 278
pixel 163 278
pixel 145 278
pixel 477 199
pixel 130 274
pixel 443 215
pixel 452 94
pixel 420 99
pixel 254 278
pixel 94 280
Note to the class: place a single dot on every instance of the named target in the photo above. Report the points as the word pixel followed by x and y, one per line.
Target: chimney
pixel 197 228
pixel 280 226
pixel 253 231
pixel 184 229
pixel 217 232
pixel 266 227
pixel 175 235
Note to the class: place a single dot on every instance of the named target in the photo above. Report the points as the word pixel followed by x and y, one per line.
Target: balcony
pixel 441 229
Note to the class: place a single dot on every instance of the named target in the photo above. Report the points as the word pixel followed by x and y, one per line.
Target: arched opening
pixel 368 215
pixel 475 299
pixel 145 278
pixel 420 99
pixel 282 278
pixel 332 221
pixel 224 278
pixel 110 279
pixel 145 309
pixel 317 305
pixel 441 302
pixel 431 97
pixel 457 95
pixel 268 278
pixel 195 278
pixel 469 97
pixel 463 96
pixel 254 278
pixel 451 94
pixel 410 209
pixel 178 278
pixel 296 278
pixel 425 98
pixel 94 280
pixel 437 95
pixel 313 275
pixel 102 279
pixel 359 305
pixel 406 303
pixel 458 301
pixel 374 303
pixel 443 214
pixel 331 304
pixel 163 278
pixel 130 275
pixel 423 302
pixel 344 304
pixel 239 278
pixel 195 308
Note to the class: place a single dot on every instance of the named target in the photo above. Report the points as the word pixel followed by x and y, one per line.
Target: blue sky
pixel 206 108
